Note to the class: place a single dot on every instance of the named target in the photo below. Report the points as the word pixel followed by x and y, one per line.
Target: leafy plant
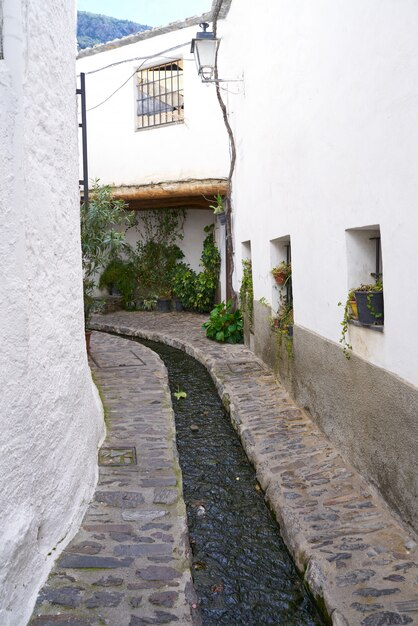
pixel 179 394
pixel 348 312
pixel 284 317
pixel 347 317
pixel 224 324
pixel 377 286
pixel 218 208
pixel 101 237
pixel 196 291
pixel 246 294
pixel 282 272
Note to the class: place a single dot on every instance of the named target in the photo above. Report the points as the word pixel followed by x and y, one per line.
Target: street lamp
pixel 204 48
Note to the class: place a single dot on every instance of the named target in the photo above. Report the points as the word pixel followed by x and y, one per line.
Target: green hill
pixel 93 28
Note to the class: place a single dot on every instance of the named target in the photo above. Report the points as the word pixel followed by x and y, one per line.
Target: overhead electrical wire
pixel 144 59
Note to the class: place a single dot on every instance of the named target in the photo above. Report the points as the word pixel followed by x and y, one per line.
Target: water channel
pixel 243 574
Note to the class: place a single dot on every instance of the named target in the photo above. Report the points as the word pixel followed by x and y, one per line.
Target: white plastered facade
pixel 326 129
pixel 51 416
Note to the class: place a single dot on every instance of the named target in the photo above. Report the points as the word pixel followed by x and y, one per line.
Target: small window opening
pixel 281 280
pixel 160 98
pixel 365 275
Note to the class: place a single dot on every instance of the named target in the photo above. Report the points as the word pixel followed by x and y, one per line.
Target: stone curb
pixel 357 559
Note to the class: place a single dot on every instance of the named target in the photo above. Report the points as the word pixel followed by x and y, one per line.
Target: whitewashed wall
pixel 50 416
pixel 193 231
pixel 121 155
pixel 327 135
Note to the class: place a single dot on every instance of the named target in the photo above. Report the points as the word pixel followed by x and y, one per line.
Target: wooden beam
pixel 188 194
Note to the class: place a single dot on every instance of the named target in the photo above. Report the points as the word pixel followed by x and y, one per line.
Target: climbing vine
pixel 246 293
pixel 196 291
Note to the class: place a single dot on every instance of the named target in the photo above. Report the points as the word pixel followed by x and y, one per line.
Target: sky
pixel 150 12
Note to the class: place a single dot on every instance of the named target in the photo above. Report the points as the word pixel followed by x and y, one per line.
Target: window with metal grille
pixel 160 95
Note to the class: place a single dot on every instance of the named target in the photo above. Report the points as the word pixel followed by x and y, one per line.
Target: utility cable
pixel 151 56
pixel 144 59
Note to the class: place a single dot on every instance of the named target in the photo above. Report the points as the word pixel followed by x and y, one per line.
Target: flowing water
pixel 243 574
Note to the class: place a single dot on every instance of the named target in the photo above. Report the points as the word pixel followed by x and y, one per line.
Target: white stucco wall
pixel 50 414
pixel 121 155
pixel 327 136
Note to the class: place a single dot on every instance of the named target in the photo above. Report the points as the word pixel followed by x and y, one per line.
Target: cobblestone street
pixel 128 565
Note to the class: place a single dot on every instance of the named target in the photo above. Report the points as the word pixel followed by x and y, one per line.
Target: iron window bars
pixel 160 98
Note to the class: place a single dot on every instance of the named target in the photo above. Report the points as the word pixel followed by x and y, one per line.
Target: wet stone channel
pixel 243 574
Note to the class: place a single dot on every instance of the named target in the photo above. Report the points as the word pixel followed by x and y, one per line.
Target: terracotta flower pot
pixel 280 278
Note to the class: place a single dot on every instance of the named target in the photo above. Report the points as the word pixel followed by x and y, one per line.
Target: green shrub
pixel 101 240
pixel 197 291
pixel 225 325
pixel 246 294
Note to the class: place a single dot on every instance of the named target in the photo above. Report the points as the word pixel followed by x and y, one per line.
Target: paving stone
pixel 109 581
pixel 354 577
pixel 375 593
pixel 61 620
pixel 386 618
pixel 85 547
pixel 115 534
pixel 145 549
pixel 366 608
pixel 154 572
pixel 164 598
pixel 165 496
pixel 64 596
pixel 93 562
pixel 142 516
pixel 159 618
pixel 103 599
pixel 324 507
pixel 120 499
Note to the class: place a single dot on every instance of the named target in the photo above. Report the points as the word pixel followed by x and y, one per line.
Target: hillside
pixel 93 28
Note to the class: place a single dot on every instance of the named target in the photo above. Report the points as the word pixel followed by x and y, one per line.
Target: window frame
pixel 159 92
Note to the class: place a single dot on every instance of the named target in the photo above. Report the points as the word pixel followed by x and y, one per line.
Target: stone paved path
pixel 354 553
pixel 129 564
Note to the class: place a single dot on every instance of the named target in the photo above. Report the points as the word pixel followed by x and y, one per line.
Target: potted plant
pixel 100 242
pixel 282 273
pixel 164 302
pixel 283 320
pixel 369 299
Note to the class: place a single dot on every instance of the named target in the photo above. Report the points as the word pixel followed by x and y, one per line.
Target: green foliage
pixel 121 275
pixel 218 208
pixel 93 28
pixel 180 395
pixel 102 236
pixel 377 286
pixel 348 313
pixel 347 317
pixel 282 273
pixel 145 273
pixel 284 317
pixel 197 291
pixel 225 325
pixel 154 264
pixel 246 294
